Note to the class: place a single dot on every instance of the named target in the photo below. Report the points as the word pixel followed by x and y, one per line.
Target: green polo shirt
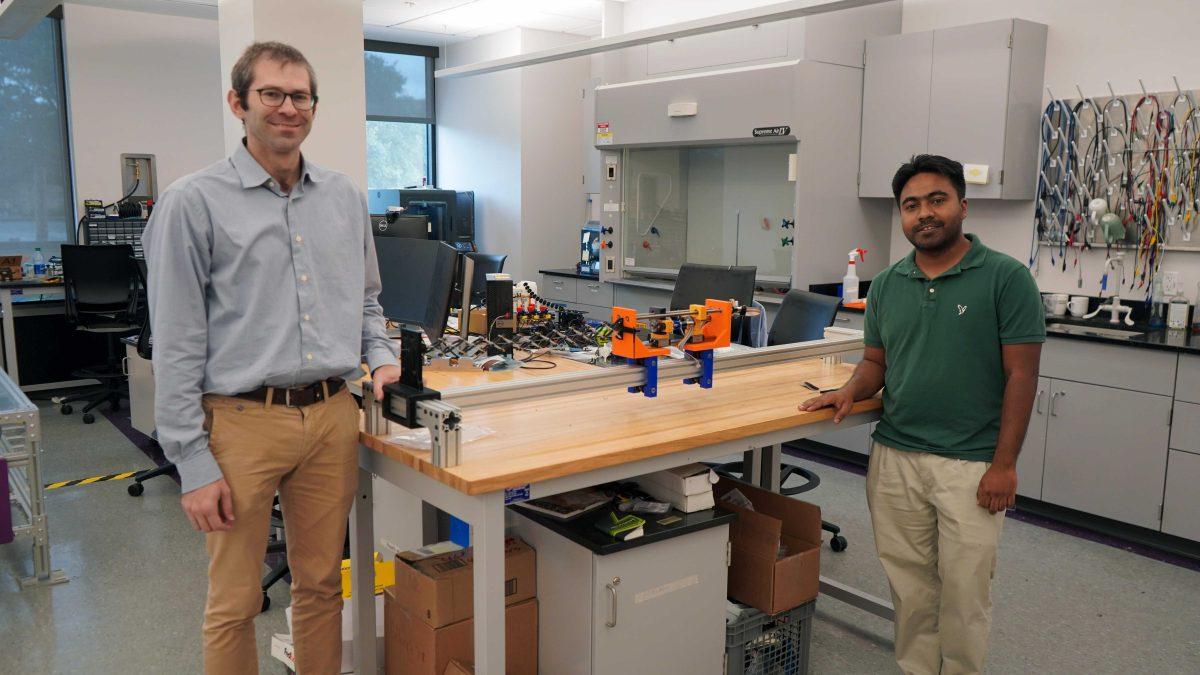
pixel 944 383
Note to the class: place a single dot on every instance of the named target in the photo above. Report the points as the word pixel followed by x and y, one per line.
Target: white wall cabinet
pixel 1033 452
pixel 972 93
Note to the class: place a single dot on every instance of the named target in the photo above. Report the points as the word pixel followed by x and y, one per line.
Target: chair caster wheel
pixel 838 543
pixel 66 409
pixel 266 602
pixel 88 418
pixel 136 490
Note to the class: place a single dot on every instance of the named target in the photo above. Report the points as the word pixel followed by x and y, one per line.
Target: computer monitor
pixel 485 264
pixel 417 276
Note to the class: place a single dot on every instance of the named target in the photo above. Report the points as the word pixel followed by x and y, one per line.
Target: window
pixel 35 200
pixel 400 115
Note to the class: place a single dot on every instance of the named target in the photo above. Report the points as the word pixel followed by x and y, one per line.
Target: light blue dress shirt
pixel 252 287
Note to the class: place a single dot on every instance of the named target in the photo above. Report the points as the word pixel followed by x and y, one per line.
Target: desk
pixel 563 441
pixel 7 290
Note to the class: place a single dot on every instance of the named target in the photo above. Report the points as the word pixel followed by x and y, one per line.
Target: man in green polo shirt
pixel 953 336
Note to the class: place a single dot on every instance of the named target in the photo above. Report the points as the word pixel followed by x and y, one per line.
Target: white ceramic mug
pixel 1057 304
pixel 1078 305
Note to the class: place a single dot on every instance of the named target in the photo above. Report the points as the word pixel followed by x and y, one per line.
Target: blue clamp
pixel 706 370
pixel 650 365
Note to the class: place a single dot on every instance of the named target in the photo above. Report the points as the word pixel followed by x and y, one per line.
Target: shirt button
pixel 303 277
pixel 931 290
pixel 299 238
pixel 306 317
pixel 308 356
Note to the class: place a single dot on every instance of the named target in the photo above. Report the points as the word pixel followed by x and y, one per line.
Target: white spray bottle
pixel 850 281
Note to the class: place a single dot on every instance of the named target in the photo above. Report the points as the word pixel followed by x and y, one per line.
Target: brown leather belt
pixel 296 397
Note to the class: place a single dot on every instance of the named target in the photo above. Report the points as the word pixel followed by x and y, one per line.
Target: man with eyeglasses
pixel 263 290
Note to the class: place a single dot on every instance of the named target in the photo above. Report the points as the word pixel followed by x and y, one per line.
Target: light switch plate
pixel 1171 284
pixel 976 174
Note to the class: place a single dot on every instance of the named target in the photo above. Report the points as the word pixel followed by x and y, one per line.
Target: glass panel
pixel 396 85
pixel 36 186
pixel 397 154
pixel 715 205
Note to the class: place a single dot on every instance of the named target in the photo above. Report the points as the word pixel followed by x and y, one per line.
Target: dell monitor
pixel 417 276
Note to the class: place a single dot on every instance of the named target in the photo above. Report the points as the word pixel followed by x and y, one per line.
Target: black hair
pixel 943 166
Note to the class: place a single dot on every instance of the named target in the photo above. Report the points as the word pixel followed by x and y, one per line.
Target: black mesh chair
pixel 102 296
pixel 145 349
pixel 803 316
pixel 698 282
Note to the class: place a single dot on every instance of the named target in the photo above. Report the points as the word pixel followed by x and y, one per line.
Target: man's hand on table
pixel 841 401
pixel 384 375
pixel 209 507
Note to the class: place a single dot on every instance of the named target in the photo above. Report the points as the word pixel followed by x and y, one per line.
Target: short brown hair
pixel 242 75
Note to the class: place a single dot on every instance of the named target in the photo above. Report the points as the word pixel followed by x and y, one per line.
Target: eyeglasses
pixel 274 98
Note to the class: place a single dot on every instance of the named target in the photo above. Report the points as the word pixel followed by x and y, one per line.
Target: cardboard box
pixel 691 479
pixel 415 648
pixel 681 501
pixel 758 576
pixel 283 650
pixel 385 574
pixel 456 667
pixel 440 589
pixel 12 265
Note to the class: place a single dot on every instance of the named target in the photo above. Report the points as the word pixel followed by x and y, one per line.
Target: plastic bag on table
pixel 418 439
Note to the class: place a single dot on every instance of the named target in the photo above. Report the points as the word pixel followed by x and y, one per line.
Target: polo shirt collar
pixel 974 258
pixel 253 175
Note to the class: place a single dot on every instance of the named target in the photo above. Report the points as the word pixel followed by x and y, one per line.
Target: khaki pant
pixel 308 455
pixel 938 548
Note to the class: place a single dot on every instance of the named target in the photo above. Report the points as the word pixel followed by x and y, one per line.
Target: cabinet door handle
pixel 1039 401
pixel 1053 412
pixel 594 287
pixel 612 607
pixel 125 366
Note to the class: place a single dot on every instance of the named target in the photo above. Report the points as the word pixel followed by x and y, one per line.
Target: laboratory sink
pixel 1076 329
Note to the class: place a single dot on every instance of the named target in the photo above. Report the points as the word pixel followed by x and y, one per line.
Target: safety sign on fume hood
pixel 603 134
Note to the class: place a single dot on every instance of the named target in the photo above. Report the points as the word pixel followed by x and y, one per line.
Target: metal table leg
pixel 362 553
pixel 10 336
pixel 487 538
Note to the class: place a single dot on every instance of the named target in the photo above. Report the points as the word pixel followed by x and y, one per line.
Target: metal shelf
pixel 21 448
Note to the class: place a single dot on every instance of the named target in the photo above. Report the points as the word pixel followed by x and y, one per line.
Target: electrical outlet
pixel 1171 284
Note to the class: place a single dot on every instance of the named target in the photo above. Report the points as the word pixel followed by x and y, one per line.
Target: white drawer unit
pixel 1148 370
pixel 594 292
pixel 1181 502
pixel 1187 380
pixel 563 289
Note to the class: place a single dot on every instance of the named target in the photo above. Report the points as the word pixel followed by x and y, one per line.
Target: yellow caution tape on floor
pixel 91 480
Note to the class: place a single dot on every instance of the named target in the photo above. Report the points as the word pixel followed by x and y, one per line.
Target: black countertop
pixel 1158 338
pixel 569 272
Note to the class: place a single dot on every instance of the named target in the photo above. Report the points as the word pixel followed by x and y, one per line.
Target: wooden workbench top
pixel 541 439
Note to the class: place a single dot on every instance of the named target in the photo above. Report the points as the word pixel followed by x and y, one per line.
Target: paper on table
pixel 419 438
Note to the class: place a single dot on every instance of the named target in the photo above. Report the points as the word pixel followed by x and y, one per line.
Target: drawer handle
pixel 842 320
pixel 1039 401
pixel 594 287
pixel 1053 411
pixel 612 598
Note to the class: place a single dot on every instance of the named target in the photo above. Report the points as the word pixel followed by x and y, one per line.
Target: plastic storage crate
pixel 761 644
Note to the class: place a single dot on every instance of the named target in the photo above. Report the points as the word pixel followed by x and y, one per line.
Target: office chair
pixel 145 350
pixel 101 288
pixel 803 316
